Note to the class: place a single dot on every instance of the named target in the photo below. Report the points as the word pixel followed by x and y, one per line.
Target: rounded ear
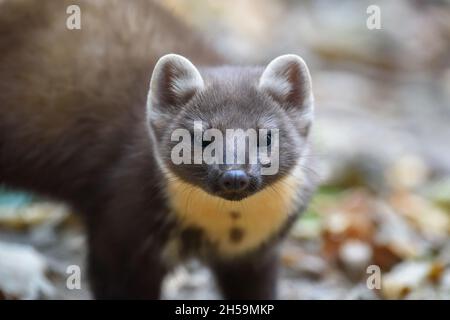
pixel 174 81
pixel 287 80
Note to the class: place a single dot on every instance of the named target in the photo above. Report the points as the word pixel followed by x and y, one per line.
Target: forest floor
pixel 381 151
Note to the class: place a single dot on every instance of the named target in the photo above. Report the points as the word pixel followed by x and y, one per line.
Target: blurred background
pixel 382 148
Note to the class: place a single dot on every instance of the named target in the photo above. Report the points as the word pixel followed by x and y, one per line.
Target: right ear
pixel 174 82
pixel 287 80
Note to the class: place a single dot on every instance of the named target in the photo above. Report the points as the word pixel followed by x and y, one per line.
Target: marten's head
pixel 230 131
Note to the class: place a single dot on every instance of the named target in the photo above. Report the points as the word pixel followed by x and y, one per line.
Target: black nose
pixel 234 180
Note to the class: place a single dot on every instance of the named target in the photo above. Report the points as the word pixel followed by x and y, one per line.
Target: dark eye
pixel 268 141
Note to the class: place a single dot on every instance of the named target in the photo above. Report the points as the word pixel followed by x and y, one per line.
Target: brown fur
pixel 72 91
pixel 73 127
pixel 72 124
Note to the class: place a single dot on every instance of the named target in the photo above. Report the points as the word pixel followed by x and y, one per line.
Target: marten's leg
pixel 252 277
pixel 124 267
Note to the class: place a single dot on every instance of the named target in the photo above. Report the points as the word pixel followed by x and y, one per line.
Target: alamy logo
pixel 374 19
pixel 73 21
pixel 237 146
pixel 73 281
pixel 374 279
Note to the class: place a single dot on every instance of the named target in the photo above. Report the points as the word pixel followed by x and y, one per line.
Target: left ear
pixel 175 80
pixel 287 80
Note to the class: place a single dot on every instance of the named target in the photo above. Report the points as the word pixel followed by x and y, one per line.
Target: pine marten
pixel 87 117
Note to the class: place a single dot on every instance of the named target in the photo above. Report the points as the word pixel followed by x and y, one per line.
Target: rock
pixel 191 281
pixel 429 219
pixel 396 235
pixel 410 278
pixel 445 282
pixel 355 256
pixel 439 192
pixel 22 273
pixel 408 172
pixel 302 264
pixel 361 292
pixel 307 227
pixel 31 214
